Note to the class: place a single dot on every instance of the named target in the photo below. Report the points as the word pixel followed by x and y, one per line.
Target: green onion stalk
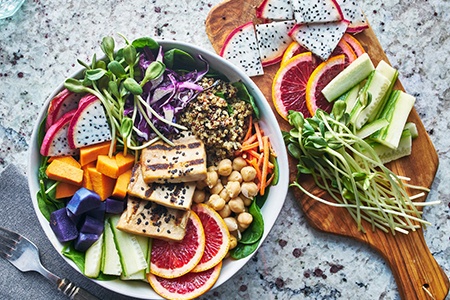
pixel 348 168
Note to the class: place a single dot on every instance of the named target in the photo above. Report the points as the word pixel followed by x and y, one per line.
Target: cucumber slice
pixel 111 260
pixel 391 74
pixel 388 154
pixel 353 74
pixel 93 259
pixel 144 244
pixel 371 128
pixel 377 86
pixel 131 255
pixel 411 126
pixel 396 111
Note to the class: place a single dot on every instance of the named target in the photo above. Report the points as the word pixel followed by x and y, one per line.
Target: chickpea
pixel 225 167
pixel 239 163
pixel 201 184
pixel 233 188
pixel 225 195
pixel 248 173
pixel 235 176
pixel 211 168
pixel 236 205
pixel 233 242
pixel 211 178
pixel 247 201
pixel 217 188
pixel 249 189
pixel 225 211
pixel 199 196
pixel 216 202
pixel 231 223
pixel 244 220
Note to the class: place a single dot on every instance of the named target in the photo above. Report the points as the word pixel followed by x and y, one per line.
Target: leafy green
pixel 256 229
pixel 243 250
pixel 244 95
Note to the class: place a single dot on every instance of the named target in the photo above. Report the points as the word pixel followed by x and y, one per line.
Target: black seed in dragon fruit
pixel 273 39
pixel 241 49
pixel 275 10
pixel 89 125
pixel 319 38
pixel 317 11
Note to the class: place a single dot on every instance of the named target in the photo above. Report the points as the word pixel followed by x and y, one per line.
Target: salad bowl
pixel 270 210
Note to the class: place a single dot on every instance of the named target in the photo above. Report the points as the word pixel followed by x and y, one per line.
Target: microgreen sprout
pixel 348 168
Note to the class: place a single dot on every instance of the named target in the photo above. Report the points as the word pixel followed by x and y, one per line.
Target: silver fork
pixel 24 255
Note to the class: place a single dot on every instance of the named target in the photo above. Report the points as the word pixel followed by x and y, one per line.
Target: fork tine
pixel 9 234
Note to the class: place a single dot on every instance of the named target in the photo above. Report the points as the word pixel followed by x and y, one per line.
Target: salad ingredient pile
pixel 154 168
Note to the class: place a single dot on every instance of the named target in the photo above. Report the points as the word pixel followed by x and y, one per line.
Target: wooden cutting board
pixel 416 272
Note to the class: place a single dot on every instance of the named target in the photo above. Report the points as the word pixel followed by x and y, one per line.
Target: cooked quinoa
pixel 218 118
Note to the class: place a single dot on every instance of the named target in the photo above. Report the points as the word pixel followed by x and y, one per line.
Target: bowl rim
pixel 270 210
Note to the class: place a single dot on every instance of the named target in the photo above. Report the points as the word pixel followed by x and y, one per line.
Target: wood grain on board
pixel 417 274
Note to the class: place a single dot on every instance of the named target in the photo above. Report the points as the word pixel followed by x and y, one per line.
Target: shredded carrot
pixel 250 140
pixel 264 171
pixel 249 146
pixel 250 129
pixel 269 181
pixel 259 136
pixel 254 163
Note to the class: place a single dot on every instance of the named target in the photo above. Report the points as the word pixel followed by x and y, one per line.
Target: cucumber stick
pixel 371 128
pixel 131 256
pixel 351 97
pixel 391 74
pixel 111 260
pixel 93 259
pixel 376 86
pixel 140 275
pixel 353 74
pixel 404 148
pixel 396 111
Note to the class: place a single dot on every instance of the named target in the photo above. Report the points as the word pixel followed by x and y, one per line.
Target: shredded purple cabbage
pixel 167 95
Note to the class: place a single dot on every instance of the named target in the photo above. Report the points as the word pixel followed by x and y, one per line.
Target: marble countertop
pixel 38 50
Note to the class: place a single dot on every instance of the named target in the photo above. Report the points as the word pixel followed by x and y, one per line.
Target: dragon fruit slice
pixel 89 125
pixel 317 11
pixel 273 39
pixel 55 141
pixel 241 49
pixel 275 10
pixel 62 103
pixel 353 13
pixel 319 38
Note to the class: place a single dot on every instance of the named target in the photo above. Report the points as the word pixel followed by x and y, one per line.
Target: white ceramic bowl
pixel 270 210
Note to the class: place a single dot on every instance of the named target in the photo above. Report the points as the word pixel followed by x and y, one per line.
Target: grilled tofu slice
pixel 183 162
pixel 173 195
pixel 149 219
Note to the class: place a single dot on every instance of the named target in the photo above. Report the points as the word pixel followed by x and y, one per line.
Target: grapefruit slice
pixel 319 78
pixel 189 286
pixel 171 259
pixel 354 43
pixel 292 50
pixel 289 84
pixel 217 237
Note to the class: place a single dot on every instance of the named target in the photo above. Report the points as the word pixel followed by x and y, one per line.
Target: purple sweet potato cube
pixel 63 227
pixel 84 241
pixel 99 212
pixel 82 201
pixel 114 206
pixel 92 225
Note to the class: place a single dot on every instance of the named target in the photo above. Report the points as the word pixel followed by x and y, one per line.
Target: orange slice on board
pixel 319 78
pixel 170 259
pixel 289 84
pixel 354 43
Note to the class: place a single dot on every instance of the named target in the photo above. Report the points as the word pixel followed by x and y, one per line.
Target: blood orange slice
pixel 321 76
pixel 171 259
pixel 217 237
pixel 189 286
pixel 289 84
pixel 344 48
pixel 292 50
pixel 354 43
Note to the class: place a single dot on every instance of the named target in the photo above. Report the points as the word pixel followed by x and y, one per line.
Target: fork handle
pixel 74 292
